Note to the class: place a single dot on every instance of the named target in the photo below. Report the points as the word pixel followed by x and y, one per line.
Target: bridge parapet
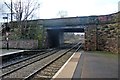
pixel 85 20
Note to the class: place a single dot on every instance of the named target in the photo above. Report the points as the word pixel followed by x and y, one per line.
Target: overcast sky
pixel 50 8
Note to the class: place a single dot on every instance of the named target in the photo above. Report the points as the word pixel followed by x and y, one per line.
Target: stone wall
pixel 104 36
pixel 119 44
pixel 21 44
pixel 107 37
pixel 90 37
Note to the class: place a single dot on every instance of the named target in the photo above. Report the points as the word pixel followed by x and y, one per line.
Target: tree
pixel 25 9
pixel 62 13
pixel 22 11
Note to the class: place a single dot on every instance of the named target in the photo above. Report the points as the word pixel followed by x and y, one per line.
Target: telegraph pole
pixel 7 28
pixel 11 13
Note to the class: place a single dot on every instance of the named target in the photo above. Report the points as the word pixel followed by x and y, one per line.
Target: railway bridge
pixel 100 31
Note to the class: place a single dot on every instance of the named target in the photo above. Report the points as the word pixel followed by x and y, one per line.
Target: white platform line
pixel 11 53
pixel 63 66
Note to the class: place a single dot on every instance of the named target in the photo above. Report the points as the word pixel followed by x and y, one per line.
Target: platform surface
pixel 97 65
pixel 90 65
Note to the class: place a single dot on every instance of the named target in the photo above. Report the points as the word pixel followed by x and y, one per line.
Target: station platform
pixel 5 52
pixel 89 65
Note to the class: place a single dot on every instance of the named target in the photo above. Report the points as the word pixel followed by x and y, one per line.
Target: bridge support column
pixel 91 37
pixel 61 38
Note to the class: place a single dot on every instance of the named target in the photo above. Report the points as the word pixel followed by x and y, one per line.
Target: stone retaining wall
pixel 107 37
pixel 103 37
pixel 22 44
pixel 90 37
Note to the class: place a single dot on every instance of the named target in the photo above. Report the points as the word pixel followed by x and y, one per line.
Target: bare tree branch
pixel 62 13
pixel 23 9
pixel 8 7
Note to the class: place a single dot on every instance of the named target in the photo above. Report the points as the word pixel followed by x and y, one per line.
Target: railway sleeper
pixel 41 76
pixel 54 68
pixel 51 70
pixel 47 73
pixel 48 70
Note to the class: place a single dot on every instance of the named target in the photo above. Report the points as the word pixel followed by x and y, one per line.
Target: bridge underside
pixel 56 36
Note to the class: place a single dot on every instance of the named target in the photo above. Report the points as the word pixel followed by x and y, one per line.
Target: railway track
pixel 43 65
pixel 11 58
pixel 6 70
pixel 17 60
pixel 49 70
pixel 24 59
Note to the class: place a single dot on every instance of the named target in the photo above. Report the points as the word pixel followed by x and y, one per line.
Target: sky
pixel 50 8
